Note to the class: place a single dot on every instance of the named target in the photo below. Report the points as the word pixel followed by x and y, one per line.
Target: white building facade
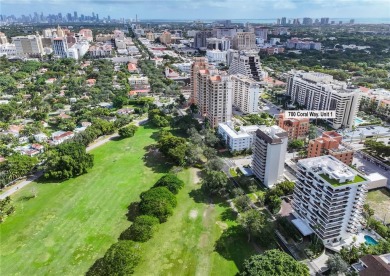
pixel 245 63
pixel 246 93
pixel 30 45
pixel 329 197
pixel 216 56
pixel 269 152
pixel 7 49
pixel 237 140
pixel 318 91
pixel 60 47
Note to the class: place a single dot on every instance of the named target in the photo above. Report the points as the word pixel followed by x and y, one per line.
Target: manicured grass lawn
pixel 233 172
pixel 185 244
pixel 379 200
pixel 71 224
pixel 335 182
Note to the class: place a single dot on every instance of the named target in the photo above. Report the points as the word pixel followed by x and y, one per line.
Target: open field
pixel 379 200
pixel 185 244
pixel 70 224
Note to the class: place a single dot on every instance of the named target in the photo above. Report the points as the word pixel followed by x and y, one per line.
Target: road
pixel 270 108
pixel 101 141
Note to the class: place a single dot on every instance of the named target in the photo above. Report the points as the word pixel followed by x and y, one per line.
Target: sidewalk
pixel 12 189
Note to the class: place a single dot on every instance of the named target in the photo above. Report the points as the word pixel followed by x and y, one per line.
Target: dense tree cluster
pixel 68 160
pixel 120 259
pixel 272 196
pixel 158 202
pixel 175 148
pixel 16 166
pixel 141 230
pixel 171 182
pixel 378 148
pixel 273 263
pixel 158 118
pixel 127 131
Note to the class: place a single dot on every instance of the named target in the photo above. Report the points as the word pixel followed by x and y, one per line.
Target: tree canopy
pixel 215 182
pixel 120 259
pixel 158 202
pixel 141 230
pixel 273 263
pixel 127 131
pixel 68 160
pixel 171 182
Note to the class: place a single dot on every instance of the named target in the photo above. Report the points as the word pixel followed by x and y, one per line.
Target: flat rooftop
pixel 238 134
pixel 332 170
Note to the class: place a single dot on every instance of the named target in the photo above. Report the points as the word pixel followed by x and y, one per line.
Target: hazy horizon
pixel 204 9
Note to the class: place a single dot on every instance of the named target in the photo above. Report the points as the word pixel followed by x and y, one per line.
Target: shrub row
pixel 156 206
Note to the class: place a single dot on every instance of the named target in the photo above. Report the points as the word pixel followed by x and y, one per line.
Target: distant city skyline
pixel 205 9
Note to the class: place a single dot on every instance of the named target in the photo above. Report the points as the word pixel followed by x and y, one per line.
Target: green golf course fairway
pixel 70 224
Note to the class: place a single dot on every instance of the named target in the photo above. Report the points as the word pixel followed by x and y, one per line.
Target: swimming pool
pixel 358 121
pixel 370 240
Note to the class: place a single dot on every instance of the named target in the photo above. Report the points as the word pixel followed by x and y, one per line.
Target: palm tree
pixel 353 132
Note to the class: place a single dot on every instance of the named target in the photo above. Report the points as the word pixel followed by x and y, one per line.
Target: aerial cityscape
pixel 195 137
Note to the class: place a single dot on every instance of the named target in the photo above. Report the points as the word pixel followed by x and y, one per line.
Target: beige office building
pixel 30 45
pixel 244 41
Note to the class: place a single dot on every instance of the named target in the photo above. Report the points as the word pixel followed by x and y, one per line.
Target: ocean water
pixel 273 20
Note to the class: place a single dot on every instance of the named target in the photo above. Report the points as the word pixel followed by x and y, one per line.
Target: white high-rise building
pixel 30 45
pixel 246 93
pixel 328 198
pixel 60 47
pixel 269 152
pixel 318 91
pixel 245 63
pixel 216 56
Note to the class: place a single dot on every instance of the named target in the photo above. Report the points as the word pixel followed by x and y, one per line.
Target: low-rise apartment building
pixel 237 140
pixel 330 143
pixel 296 128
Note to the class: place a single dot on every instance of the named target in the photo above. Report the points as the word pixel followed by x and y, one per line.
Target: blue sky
pixel 205 9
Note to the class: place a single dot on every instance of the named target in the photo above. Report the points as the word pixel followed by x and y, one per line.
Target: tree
pixel 18 165
pixel 368 212
pixel 128 131
pixel 210 153
pixel 274 204
pixel 158 202
pixel 141 230
pixel 120 259
pixel 119 101
pixel 171 182
pixel 173 147
pixel 210 138
pixel 337 265
pixel 273 262
pixel 215 182
pixel 6 208
pixel 242 203
pixel 252 221
pixel 194 108
pixel 296 144
pixel 214 164
pixel 68 160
